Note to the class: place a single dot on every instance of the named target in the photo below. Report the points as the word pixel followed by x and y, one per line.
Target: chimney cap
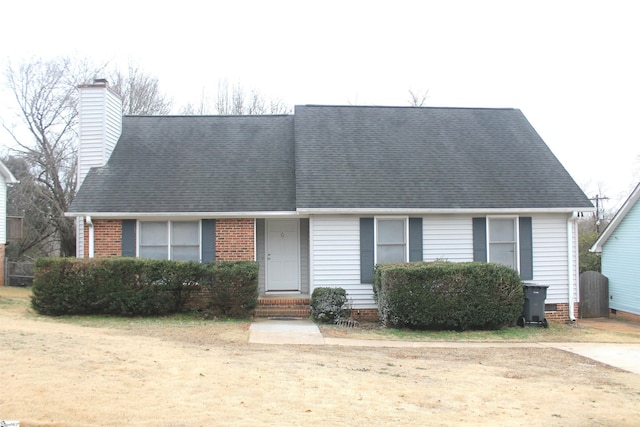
pixel 96 83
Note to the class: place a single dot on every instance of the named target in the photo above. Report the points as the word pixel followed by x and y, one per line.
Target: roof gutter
pixel 415 211
pixel 184 215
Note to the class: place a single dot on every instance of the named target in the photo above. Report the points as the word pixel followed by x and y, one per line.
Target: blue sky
pixel 570 66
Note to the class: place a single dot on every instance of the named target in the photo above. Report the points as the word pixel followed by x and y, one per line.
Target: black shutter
pixel 480 239
pixel 526 249
pixel 129 237
pixel 366 250
pixel 415 239
pixel 208 240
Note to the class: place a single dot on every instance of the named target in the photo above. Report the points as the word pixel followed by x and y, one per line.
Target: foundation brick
pixel 624 315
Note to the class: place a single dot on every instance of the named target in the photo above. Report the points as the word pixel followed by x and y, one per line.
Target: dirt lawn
pixel 150 372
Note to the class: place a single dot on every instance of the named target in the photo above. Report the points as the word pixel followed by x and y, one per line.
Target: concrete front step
pixel 283 306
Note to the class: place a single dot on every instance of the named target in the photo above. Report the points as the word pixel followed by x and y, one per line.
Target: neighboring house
pixel 619 244
pixel 320 196
pixel 6 178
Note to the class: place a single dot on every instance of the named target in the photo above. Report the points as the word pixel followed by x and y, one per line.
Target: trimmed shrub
pixel 328 305
pixel 140 287
pixel 447 295
pixel 233 287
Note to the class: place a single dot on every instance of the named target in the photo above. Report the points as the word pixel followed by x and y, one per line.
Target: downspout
pixel 571 264
pixel 90 224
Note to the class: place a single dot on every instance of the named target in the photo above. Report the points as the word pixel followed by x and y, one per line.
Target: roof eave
pixel 417 211
pixel 183 215
pixel 617 219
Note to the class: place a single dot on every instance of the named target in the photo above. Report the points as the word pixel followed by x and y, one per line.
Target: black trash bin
pixel 533 308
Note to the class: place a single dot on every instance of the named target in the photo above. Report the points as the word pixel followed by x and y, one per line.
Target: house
pixel 619 245
pixel 6 178
pixel 320 196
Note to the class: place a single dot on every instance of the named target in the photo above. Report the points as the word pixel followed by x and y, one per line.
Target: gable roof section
pixel 426 158
pixel 186 164
pixel 617 219
pixel 330 159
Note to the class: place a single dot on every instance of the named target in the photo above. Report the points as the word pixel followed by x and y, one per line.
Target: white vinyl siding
pixel 335 257
pixel 550 252
pixel 447 238
pixel 335 252
pixel 100 127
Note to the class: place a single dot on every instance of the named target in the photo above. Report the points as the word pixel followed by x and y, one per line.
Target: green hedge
pixel 328 305
pixel 447 295
pixel 140 287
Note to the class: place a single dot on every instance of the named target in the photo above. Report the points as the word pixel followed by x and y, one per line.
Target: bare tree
pixel 236 101
pixel 45 96
pixel 44 133
pixel 28 199
pixel 140 92
pixel 418 98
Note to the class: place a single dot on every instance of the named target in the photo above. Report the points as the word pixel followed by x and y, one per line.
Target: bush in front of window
pixel 447 295
pixel 140 287
pixel 233 287
pixel 328 305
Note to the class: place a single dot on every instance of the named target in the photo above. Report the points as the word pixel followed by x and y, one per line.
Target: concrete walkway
pixel 305 332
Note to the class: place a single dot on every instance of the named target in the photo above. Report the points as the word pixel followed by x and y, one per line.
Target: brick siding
pixel 235 239
pixel 107 238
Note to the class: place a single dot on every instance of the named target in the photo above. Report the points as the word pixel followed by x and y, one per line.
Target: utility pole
pixel 599 213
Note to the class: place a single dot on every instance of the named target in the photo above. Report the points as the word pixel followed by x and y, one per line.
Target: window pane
pixel 153 233
pixel 502 230
pixel 503 253
pixel 153 252
pixel 391 231
pixel 185 253
pixel 391 253
pixel 184 233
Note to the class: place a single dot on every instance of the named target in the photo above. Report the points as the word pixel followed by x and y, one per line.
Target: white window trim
pixel 169 228
pixel 517 235
pixel 406 236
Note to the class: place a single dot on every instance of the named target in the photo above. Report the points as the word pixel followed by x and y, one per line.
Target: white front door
pixel 283 265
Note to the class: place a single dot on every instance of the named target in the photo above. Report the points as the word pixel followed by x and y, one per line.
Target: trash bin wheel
pixel 521 321
pixel 545 322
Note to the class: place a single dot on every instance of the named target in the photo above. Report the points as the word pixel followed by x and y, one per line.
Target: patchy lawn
pixel 183 371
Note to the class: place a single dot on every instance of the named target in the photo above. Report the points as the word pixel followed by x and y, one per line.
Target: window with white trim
pixel 502 241
pixel 391 240
pixel 175 240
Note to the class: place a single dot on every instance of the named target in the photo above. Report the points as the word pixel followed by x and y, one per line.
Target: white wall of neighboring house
pixel 6 178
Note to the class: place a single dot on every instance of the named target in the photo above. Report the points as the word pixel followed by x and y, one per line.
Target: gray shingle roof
pixel 330 157
pixel 195 164
pixel 424 158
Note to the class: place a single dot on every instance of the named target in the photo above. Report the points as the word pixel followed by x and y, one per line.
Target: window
pixel 503 241
pixel 391 240
pixel 176 240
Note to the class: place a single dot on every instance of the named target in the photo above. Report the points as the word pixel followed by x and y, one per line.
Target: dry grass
pixel 181 371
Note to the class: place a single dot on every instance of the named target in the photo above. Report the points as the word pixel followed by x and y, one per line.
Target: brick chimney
pixel 100 114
